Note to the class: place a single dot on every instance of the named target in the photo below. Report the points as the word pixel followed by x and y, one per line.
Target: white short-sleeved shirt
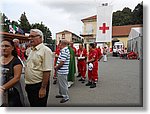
pixel 39 60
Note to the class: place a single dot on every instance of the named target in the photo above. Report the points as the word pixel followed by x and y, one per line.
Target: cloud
pixel 75 8
pixel 67 14
pixel 58 15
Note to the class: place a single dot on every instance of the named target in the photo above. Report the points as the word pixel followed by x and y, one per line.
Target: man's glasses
pixel 32 36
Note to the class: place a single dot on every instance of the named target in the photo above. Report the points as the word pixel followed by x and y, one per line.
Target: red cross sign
pixel 104 28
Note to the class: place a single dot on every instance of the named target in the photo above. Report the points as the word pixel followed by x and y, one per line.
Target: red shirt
pixel 18 51
pixel 82 53
pixel 99 54
pixel 57 52
pixel 22 53
pixel 93 54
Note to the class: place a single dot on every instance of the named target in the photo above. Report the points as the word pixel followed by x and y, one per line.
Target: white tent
pixel 135 32
pixel 135 40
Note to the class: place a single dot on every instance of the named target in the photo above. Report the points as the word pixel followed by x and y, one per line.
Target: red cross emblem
pixel 104 28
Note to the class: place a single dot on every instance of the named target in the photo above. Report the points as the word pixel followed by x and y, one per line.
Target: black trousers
pixel 14 98
pixel 33 95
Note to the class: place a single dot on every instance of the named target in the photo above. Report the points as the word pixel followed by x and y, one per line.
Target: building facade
pixel 119 33
pixel 89 29
pixel 67 35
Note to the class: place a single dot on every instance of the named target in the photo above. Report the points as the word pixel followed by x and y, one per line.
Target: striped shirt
pixel 64 56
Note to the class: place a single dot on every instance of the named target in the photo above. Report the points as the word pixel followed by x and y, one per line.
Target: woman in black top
pixel 11 80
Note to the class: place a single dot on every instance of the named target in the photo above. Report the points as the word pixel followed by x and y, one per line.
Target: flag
pixel 20 31
pixel 104 24
pixel 15 27
pixel 11 29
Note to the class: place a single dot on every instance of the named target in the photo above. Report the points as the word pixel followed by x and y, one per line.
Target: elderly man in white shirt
pixel 37 70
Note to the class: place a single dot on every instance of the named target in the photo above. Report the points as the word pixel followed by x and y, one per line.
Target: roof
pixel 123 30
pixel 10 35
pixel 119 31
pixel 135 32
pixel 89 18
pixel 116 30
pixel 66 31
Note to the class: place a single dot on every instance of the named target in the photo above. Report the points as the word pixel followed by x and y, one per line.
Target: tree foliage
pixel 4 22
pixel 24 23
pixel 128 17
pixel 138 14
pixel 44 29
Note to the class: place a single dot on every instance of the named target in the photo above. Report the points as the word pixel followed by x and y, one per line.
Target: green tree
pixel 127 17
pixel 117 18
pixel 4 22
pixel 123 17
pixel 46 32
pixel 137 14
pixel 24 23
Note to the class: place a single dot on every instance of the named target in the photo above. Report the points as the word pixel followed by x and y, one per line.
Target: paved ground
pixel 119 84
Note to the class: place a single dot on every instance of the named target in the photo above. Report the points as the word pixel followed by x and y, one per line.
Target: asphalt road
pixel 120 84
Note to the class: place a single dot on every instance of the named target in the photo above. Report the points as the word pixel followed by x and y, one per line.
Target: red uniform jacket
pixel 94 54
pixel 99 54
pixel 82 53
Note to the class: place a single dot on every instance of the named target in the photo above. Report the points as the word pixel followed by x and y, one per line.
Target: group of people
pixel 84 59
pixel 22 49
pixel 38 67
pixel 124 54
pixel 37 72
pixel 132 55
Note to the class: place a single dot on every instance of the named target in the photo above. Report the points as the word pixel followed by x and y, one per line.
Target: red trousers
pixel 82 68
pixel 93 74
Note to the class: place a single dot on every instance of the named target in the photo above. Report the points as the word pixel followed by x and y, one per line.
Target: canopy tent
pixel 135 32
pixel 135 40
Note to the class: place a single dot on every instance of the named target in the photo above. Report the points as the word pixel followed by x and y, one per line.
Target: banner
pixel 104 24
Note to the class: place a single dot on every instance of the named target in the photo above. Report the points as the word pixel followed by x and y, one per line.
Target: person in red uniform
pixel 132 55
pixel 22 48
pixel 57 52
pixel 99 54
pixel 16 43
pixel 92 73
pixel 81 57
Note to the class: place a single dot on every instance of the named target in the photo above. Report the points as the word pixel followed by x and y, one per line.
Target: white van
pixel 117 48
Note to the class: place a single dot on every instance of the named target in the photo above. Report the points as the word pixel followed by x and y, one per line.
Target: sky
pixel 59 15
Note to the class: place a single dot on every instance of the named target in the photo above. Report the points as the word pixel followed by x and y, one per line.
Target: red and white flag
pixel 104 24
